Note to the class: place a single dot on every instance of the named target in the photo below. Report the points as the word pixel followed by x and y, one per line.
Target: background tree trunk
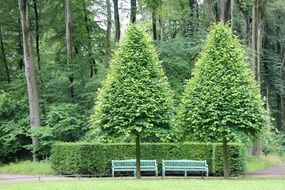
pixel 30 72
pixel 258 11
pixel 92 61
pixel 69 47
pixel 37 39
pixel 20 48
pixel 109 27
pixel 153 18
pixel 117 21
pixel 133 11
pixel 225 13
pixel 161 28
pixel 209 10
pixel 138 157
pixel 4 57
pixel 192 17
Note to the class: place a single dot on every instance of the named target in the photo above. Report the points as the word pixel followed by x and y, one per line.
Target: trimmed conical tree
pixel 222 100
pixel 135 99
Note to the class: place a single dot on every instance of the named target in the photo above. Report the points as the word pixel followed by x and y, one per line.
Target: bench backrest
pixel 184 163
pixel 132 163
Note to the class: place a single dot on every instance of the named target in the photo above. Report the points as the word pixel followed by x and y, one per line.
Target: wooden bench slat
pixel 184 165
pixel 130 165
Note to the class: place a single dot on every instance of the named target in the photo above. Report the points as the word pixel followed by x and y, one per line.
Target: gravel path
pixel 14 178
pixel 271 172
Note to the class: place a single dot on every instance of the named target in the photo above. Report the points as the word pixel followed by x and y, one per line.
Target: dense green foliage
pixel 14 128
pixel 180 33
pixel 92 158
pixel 222 99
pixel 28 167
pixel 135 97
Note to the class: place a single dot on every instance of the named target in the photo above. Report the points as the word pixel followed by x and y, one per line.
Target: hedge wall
pixel 91 158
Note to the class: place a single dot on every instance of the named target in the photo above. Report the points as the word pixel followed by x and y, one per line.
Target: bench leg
pixel 156 173
pixel 113 173
pixel 185 173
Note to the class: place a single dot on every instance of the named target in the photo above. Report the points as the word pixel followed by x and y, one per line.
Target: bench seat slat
pixel 130 165
pixel 185 165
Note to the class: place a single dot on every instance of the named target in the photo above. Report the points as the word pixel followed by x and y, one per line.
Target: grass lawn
pixel 27 167
pixel 151 184
pixel 254 163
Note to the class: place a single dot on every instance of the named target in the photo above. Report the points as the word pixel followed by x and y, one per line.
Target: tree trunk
pixel 225 11
pixel 37 39
pixel 247 21
pixel 161 28
pixel 117 21
pixel 69 47
pixel 30 72
pixel 211 16
pixel 279 124
pixel 138 157
pixel 226 158
pixel 133 11
pixel 4 57
pixel 256 146
pixel 153 16
pixel 267 90
pixel 253 39
pixel 20 48
pixel 247 30
pixel 258 12
pixel 192 16
pixel 222 11
pixel 279 98
pixel 92 61
pixel 109 27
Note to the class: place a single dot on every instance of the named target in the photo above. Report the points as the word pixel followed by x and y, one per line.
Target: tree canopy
pixel 135 97
pixel 222 99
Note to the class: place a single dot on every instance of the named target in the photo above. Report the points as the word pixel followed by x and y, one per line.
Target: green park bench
pixel 185 166
pixel 130 165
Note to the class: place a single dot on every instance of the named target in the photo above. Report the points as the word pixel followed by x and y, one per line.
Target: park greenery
pixel 221 102
pixel 195 76
pixel 173 184
pixel 135 99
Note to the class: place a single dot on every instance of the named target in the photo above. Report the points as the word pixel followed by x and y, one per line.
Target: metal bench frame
pixel 130 165
pixel 185 166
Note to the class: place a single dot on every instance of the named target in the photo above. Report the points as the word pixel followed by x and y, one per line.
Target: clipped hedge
pixel 93 158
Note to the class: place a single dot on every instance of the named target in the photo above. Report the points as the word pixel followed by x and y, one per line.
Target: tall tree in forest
pixel 35 6
pixel 221 101
pixel 135 99
pixel 244 9
pixel 117 21
pixel 133 10
pixel 225 13
pixel 109 28
pixel 258 11
pixel 69 46
pixel 34 107
pixel 92 61
pixel 153 6
pixel 192 4
pixel 4 57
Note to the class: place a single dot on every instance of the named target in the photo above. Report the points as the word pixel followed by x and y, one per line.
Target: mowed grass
pixel 254 163
pixel 27 167
pixel 151 184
